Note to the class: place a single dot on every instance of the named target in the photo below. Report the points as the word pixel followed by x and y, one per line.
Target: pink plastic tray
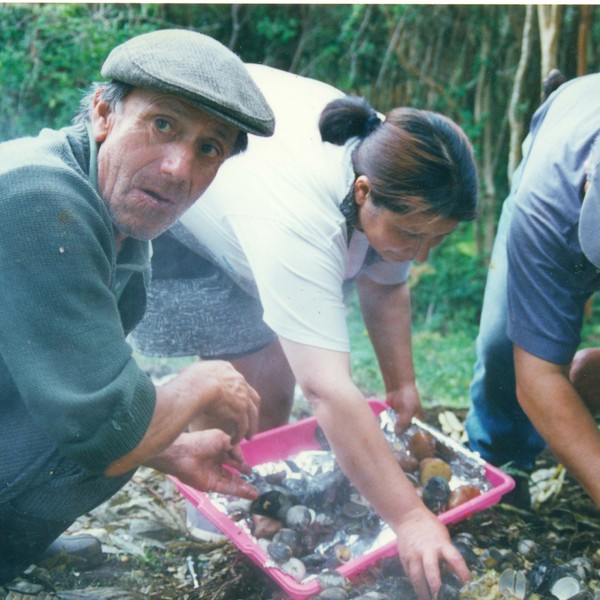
pixel 291 439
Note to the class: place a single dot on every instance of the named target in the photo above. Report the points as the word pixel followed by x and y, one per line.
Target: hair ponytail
pixel 346 118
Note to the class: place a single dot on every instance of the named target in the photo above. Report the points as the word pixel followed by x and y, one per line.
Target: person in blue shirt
pixel 530 388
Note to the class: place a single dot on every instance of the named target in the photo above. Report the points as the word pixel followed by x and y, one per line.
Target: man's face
pixel 158 153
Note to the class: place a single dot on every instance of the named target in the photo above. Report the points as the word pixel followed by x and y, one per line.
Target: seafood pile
pixel 309 519
pixel 528 574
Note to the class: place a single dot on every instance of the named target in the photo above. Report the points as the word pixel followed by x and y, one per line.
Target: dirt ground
pixel 148 551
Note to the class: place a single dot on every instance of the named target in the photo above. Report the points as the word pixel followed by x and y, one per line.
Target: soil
pixel 147 551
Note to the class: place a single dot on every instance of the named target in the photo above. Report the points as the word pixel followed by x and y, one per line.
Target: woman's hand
pixel 407 404
pixel 425 548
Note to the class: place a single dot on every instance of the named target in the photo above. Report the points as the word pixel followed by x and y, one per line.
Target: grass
pixel 443 362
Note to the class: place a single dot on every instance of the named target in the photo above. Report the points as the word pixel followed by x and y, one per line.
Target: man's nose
pixel 178 161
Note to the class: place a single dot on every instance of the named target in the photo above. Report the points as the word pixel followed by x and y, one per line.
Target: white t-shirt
pixel 271 217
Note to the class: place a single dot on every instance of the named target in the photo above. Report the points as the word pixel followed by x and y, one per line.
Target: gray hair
pixel 114 93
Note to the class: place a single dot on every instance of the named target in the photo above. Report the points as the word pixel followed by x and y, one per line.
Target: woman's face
pixel 396 237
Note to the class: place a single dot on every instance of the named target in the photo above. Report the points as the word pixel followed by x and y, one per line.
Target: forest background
pixel 482 65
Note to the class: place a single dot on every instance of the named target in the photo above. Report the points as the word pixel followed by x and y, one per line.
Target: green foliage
pixel 443 361
pixel 447 290
pixel 428 56
pixel 49 53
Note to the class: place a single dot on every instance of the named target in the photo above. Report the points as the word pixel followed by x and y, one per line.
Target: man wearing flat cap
pixel 531 388
pixel 77 210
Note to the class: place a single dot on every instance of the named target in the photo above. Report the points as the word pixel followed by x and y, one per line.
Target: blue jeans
pixel 42 491
pixel 496 425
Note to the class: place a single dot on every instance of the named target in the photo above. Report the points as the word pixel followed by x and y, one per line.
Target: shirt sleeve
pixel 299 281
pixel 546 287
pixel 385 272
pixel 61 336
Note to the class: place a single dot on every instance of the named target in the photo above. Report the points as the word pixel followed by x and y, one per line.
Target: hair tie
pixel 371 124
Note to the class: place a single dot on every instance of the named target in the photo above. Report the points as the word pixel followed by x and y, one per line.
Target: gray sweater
pixel 67 302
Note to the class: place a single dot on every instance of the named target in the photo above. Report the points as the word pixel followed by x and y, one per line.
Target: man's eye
pixel 209 150
pixel 162 125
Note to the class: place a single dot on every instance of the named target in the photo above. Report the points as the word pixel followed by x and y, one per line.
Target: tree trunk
pixel 549 16
pixel 486 226
pixel 583 36
pixel 515 114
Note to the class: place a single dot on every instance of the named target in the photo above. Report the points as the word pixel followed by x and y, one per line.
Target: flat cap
pixel 589 218
pixel 196 67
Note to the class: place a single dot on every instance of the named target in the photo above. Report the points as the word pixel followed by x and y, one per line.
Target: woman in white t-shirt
pixel 256 271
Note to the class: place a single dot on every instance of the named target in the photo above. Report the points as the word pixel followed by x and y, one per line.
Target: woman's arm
pixel 387 314
pixel 365 457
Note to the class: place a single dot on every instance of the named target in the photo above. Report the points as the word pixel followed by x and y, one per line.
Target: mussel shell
pixel 355 510
pixel 371 523
pixel 299 517
pixel 331 579
pixel 295 485
pixel 468 554
pixel 273 503
pixel 397 587
pixel 279 552
pixel 566 587
pixel 513 584
pixel 295 568
pixel 291 538
pixel 466 538
pixel 391 567
pixel 325 490
pixel 541 576
pixel 583 566
pixel 333 593
pixel 276 477
pixel 447 592
pixel 323 523
pixel 309 540
pixel 314 559
pixel 452 580
pixel 584 595
pixel 527 548
pixel 342 553
pixel 491 558
pixel 436 494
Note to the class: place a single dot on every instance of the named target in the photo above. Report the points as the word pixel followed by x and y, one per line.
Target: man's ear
pixel 102 117
pixel 362 187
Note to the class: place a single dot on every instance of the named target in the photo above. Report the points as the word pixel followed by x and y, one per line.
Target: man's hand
pixel 232 405
pixel 212 389
pixel 424 548
pixel 199 459
pixel 407 404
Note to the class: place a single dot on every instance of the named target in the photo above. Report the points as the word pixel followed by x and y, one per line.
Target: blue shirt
pixel 549 278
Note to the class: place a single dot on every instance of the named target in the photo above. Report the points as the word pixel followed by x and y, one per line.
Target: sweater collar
pixel 93 166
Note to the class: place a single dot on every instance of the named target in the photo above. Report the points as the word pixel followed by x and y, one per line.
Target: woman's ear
pixel 362 187
pixel 102 117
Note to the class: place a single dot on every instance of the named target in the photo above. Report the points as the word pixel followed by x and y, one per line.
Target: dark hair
pixel 416 160
pixel 114 93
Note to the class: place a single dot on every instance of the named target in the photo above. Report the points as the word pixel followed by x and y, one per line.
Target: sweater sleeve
pixel 61 336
